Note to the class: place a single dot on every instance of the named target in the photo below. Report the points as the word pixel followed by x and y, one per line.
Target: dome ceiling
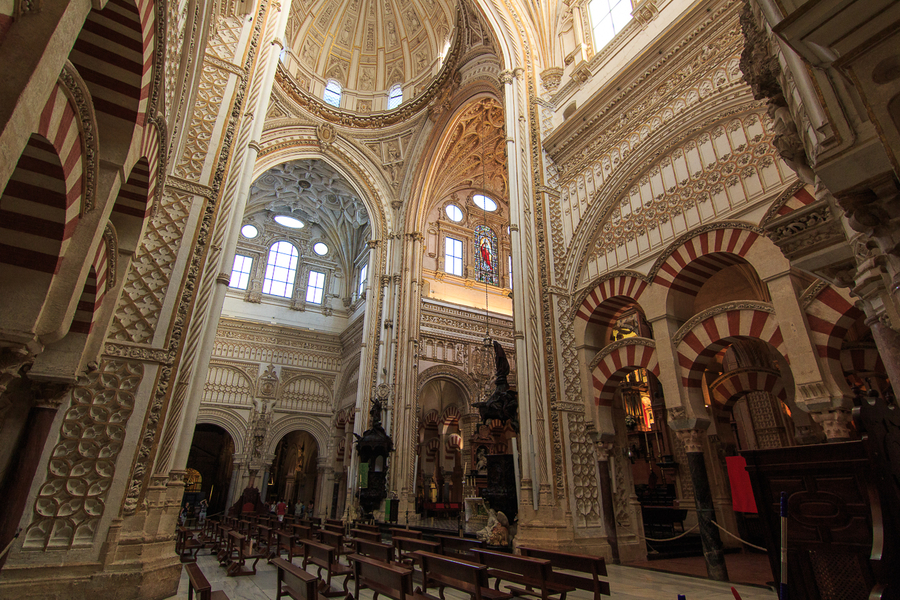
pixel 370 45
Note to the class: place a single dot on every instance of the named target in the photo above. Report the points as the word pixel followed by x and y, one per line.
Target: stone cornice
pixel 676 46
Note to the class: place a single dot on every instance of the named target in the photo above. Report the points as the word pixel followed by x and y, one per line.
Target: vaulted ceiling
pixel 370 45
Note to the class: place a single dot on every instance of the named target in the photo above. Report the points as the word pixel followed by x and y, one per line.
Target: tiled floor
pixel 745 567
pixel 626 583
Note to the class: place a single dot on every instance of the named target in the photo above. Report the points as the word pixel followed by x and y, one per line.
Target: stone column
pixel 47 399
pixel 691 433
pixel 234 487
pixel 606 496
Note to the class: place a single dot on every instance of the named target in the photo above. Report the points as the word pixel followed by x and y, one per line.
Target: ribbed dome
pixel 368 46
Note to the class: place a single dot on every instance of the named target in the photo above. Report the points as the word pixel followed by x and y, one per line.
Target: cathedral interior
pixel 230 228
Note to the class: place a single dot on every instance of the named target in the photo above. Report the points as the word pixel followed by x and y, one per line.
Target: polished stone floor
pixel 626 583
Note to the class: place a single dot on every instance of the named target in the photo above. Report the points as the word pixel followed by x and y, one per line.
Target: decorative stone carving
pixel 268 383
pixel 326 135
pixel 585 486
pixel 836 423
pixel 691 439
pixel 551 78
pixel 72 500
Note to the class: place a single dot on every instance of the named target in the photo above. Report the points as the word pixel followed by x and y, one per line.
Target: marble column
pixel 606 498
pixel 691 433
pixel 47 399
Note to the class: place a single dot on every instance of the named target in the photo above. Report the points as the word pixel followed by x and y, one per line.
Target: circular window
pixel 484 203
pixel 249 231
pixel 320 248
pixel 286 221
pixel 454 213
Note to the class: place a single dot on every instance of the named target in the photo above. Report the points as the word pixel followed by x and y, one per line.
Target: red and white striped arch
pixel 830 317
pixel 44 198
pixel 727 389
pixel 862 360
pixel 630 354
pixel 707 338
pixel 114 59
pixel 704 255
pixel 624 289
pixel 95 288
pixel 798 200
pixel 147 12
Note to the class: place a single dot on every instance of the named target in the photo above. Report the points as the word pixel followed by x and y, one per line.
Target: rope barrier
pixel 684 533
pixel 739 539
pixel 9 545
pixel 681 535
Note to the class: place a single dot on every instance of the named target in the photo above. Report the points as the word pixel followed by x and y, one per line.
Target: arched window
pixel 280 270
pixel 487 270
pixel 395 97
pixel 363 279
pixel 333 93
pixel 608 17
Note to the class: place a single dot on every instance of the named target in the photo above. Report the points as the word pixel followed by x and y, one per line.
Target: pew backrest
pixel 376 550
pixel 197 582
pixel 406 533
pixel 364 534
pixel 456 546
pixel 382 578
pixel 595 566
pixel 459 574
pixel 294 581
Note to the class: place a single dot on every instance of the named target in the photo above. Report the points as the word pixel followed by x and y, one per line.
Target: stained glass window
pixel 486 266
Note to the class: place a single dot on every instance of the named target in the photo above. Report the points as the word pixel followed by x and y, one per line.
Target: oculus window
pixel 320 248
pixel 608 17
pixel 395 97
pixel 486 267
pixel 315 287
pixel 454 213
pixel 249 231
pixel 333 93
pixel 240 271
pixel 281 269
pixel 289 222
pixel 484 203
pixel 453 256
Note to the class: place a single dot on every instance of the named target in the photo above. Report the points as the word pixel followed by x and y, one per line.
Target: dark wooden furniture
pixel 198 583
pixel 533 573
pixel 376 550
pixel 465 576
pixel 392 581
pixel 458 546
pixel 367 527
pixel 242 551
pixel 364 534
pixel 336 541
pixel 186 546
pixel 405 547
pixel 833 509
pixel 294 582
pixel 406 533
pixel 595 566
pixel 326 557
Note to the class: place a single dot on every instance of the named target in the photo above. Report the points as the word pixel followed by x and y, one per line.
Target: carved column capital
pixel 49 394
pixel 836 423
pixel 692 439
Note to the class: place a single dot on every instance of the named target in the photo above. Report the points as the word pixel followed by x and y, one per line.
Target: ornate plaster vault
pixel 229 228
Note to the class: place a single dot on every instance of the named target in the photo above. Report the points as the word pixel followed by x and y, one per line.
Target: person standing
pixel 280 510
pixel 201 518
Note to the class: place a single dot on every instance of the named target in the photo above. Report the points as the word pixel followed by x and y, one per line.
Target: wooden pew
pixel 287 542
pixel 463 575
pixel 594 566
pixel 294 582
pixel 197 582
pixel 186 546
pixel 364 534
pixel 337 522
pixel 376 550
pixel 382 578
pixel 406 533
pixel 407 546
pixel 336 541
pixel 458 546
pixel 326 557
pixel 237 565
pixel 522 570
pixel 368 527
